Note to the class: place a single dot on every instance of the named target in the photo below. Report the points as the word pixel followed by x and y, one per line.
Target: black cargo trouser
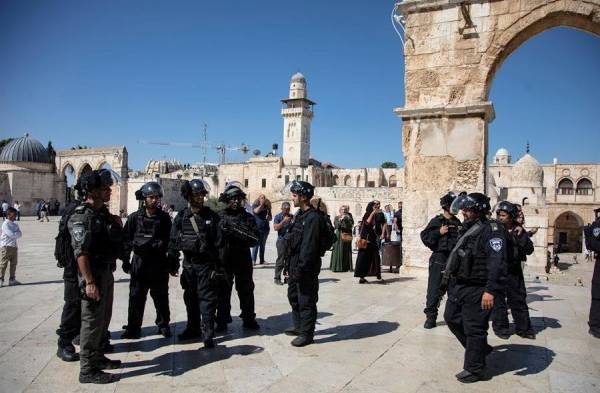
pixel 70 319
pixel 303 294
pixel 280 262
pixel 143 280
pixel 516 297
pixel 594 321
pixel 437 263
pixel 95 318
pixel 469 323
pixel 200 297
pixel 239 272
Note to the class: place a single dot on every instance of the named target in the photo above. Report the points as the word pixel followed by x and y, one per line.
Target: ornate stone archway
pixel 116 157
pixel 452 52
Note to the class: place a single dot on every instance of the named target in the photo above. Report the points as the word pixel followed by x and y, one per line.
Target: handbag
pixel 346 237
pixel 361 244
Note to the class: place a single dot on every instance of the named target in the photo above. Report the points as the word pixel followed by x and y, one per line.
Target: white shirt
pixel 10 234
pixel 5 206
pixel 17 207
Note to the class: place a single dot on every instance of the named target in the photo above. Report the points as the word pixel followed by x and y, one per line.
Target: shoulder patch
pixel 596 232
pixel 78 231
pixel 496 243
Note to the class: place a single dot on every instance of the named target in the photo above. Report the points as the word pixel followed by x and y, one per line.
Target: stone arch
pixel 584 187
pixel 336 180
pixel 347 180
pixel 580 15
pixel 358 180
pixel 568 232
pixel 392 181
pixel 84 168
pixel 565 186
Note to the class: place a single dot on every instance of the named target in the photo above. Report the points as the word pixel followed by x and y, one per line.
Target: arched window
pixel 392 182
pixel 347 180
pixel 584 187
pixel 336 180
pixel 358 181
pixel 565 187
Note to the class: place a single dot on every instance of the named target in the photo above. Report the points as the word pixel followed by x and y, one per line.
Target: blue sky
pixel 113 73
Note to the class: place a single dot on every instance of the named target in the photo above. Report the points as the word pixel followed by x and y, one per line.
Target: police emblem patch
pixel 496 244
pixel 78 232
pixel 596 232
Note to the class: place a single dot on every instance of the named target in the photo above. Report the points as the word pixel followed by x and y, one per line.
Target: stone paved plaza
pixel 369 339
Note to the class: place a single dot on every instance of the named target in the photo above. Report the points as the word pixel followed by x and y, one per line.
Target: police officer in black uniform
pixel 592 242
pixel 518 246
pixel 304 258
pixel 195 232
pixel 239 234
pixel 478 279
pixel 70 320
pixel 97 242
pixel 439 236
pixel 147 232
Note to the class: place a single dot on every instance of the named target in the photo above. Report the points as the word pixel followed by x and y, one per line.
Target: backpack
pixel 328 236
pixel 63 251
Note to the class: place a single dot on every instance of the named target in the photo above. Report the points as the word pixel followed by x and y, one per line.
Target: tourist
pixel 261 209
pixel 17 207
pixel 44 212
pixel 281 223
pixel 8 246
pixel 4 208
pixel 398 222
pixel 389 221
pixel 356 234
pixel 368 261
pixel 379 223
pixel 341 256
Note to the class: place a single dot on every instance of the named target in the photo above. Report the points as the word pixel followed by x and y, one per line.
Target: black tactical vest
pixel 145 237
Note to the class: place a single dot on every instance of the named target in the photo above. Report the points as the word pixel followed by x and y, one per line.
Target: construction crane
pixel 221 148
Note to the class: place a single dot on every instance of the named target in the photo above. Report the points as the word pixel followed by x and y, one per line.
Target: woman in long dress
pixel 368 261
pixel 341 256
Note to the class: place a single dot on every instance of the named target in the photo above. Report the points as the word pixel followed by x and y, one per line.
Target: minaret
pixel 297 116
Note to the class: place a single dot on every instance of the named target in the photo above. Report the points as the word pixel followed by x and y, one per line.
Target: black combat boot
pixel 165 331
pixel 302 341
pixel 467 377
pixel 67 353
pixel 98 377
pixel 430 322
pixel 251 324
pixel 529 334
pixel 131 334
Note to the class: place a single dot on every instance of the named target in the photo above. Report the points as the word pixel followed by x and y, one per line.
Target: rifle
pixel 454 259
pixel 241 230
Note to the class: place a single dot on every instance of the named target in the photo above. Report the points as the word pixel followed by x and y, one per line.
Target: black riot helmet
pixel 474 201
pixel 507 207
pixel 447 200
pixel 194 186
pixel 232 190
pixel 300 188
pixel 93 180
pixel 151 188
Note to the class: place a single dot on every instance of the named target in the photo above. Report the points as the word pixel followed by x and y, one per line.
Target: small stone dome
pixel 24 149
pixel 298 77
pixel 527 172
pixel 162 166
pixel 502 152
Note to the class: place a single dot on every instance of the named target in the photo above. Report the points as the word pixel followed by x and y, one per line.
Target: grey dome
pixel 298 77
pixel 24 149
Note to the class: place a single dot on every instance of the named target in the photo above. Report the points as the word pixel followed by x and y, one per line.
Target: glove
pixel 127 267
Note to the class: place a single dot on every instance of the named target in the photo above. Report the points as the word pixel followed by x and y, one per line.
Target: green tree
pixel 4 142
pixel 214 204
pixel 389 164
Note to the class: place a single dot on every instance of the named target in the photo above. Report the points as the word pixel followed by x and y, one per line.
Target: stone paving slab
pixel 369 338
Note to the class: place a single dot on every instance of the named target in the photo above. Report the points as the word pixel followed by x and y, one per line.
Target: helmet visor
pixel 460 203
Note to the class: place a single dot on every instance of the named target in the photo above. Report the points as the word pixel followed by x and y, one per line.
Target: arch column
pixel 444 149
